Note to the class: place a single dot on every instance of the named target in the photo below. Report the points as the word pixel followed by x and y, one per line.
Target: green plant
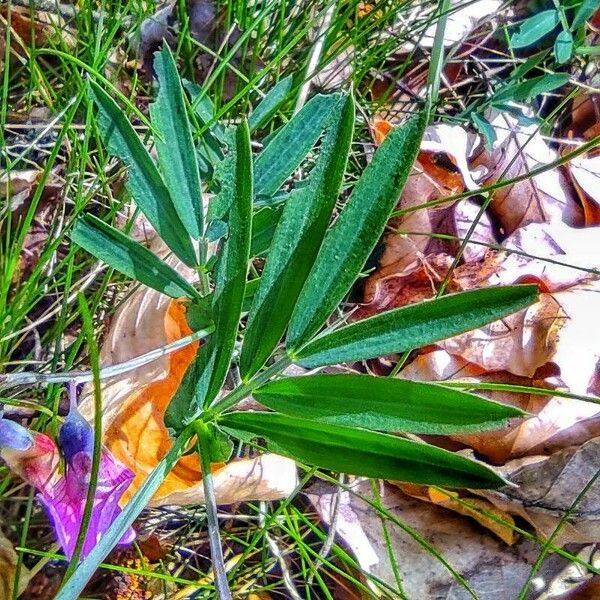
pixel 339 422
pixel 569 40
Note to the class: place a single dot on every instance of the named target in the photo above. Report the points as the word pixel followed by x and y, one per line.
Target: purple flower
pixel 35 457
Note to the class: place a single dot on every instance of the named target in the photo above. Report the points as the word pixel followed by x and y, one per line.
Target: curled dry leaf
pixel 33 28
pixel 476 508
pixel 544 198
pixel 134 404
pixel 442 170
pixel 585 174
pixel 18 189
pixel 540 347
pixel 550 344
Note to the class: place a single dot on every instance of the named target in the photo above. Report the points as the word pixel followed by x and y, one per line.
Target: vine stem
pixel 214 539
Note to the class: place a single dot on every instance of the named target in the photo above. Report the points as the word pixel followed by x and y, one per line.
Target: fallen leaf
pixel 493 569
pixel 476 508
pixel 44 585
pixel 544 198
pixel 553 255
pixel 18 188
pixel 498 445
pixel 33 28
pixel 585 174
pixel 134 404
pixel 442 170
pixel 547 487
pixel 337 72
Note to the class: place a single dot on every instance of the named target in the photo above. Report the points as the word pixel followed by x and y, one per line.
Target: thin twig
pixel 30 377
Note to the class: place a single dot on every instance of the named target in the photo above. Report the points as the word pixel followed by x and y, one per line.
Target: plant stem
pixel 246 388
pixel 214 539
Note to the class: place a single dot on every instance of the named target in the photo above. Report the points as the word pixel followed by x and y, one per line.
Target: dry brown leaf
pixel 134 404
pixel 33 29
pixel 555 256
pixel 476 508
pixel 8 566
pixel 413 283
pixel 497 446
pixel 463 18
pixel 337 72
pixel 585 174
pixel 494 570
pixel 18 188
pixel 547 487
pixel 441 170
pixel 544 198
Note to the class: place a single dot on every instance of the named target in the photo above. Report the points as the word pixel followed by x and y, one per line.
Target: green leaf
pixel 206 374
pixel 291 144
pixel 585 11
pixel 199 313
pixel 361 452
pixel 128 257
pixel 176 151
pixel 219 443
pixel 415 326
pixel 205 111
pixel 297 240
pixel 352 238
pixel 270 103
pixel 144 182
pixel 486 129
pixel 225 172
pixel 535 28
pixel 72 589
pixel 383 404
pixel 264 224
pixel 563 46
pixel 521 92
pixel 533 61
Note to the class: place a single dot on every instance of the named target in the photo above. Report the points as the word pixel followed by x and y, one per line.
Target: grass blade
pixel 128 257
pixel 296 242
pixel 176 151
pixel 360 224
pixel 415 325
pixel 361 452
pixel 144 183
pixel 384 404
